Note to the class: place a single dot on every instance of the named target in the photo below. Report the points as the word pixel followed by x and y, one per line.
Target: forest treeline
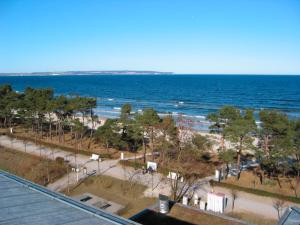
pixel 275 142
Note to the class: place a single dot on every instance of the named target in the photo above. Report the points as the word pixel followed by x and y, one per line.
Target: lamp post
pixel 68 188
pixel 77 174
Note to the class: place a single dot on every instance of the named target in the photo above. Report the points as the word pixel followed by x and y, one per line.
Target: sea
pixel 191 96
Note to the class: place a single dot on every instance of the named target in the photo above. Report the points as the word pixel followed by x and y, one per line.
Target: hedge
pixel 139 165
pixel 53 145
pixel 256 191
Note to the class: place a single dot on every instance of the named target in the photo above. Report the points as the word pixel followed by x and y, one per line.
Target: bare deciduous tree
pixel 25 142
pixel 279 205
pixel 132 176
pixel 234 196
pixel 183 183
pixel 185 178
pixel 294 184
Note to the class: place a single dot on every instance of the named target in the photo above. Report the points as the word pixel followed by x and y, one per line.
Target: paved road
pixel 107 167
pixel 156 183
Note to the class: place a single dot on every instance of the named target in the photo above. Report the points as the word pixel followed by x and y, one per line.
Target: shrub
pixel 137 165
pixel 59 160
pixel 256 191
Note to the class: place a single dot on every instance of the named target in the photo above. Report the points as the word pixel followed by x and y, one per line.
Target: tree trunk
pixel 83 119
pixel 266 145
pixel 10 122
pixel 227 171
pixel 4 123
pixel 71 130
pixel 152 143
pixel 239 157
pixel 59 131
pixel 50 129
pixel 222 143
pixel 81 137
pixel 240 152
pixel 144 147
pixel 42 130
pixel 278 181
pixel 92 132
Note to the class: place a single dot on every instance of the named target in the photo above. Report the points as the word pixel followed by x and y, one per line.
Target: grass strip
pixel 256 191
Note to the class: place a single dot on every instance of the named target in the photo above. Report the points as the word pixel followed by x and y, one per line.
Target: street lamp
pixel 77 172
pixel 66 161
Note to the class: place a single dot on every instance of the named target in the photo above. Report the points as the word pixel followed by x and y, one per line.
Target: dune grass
pixel 36 169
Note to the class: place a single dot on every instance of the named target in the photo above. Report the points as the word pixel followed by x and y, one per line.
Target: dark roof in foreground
pixel 291 216
pixel 23 202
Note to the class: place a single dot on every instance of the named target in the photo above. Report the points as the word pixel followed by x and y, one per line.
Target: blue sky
pixel 186 36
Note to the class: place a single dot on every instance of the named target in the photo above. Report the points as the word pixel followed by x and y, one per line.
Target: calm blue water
pixel 193 95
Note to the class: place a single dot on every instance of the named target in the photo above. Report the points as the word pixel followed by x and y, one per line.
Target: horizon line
pixel 148 72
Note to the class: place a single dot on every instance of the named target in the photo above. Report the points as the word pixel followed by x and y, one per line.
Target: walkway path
pixel 156 183
pixel 106 167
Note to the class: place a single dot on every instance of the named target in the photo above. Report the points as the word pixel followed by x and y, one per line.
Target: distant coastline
pixel 129 72
pixel 101 72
